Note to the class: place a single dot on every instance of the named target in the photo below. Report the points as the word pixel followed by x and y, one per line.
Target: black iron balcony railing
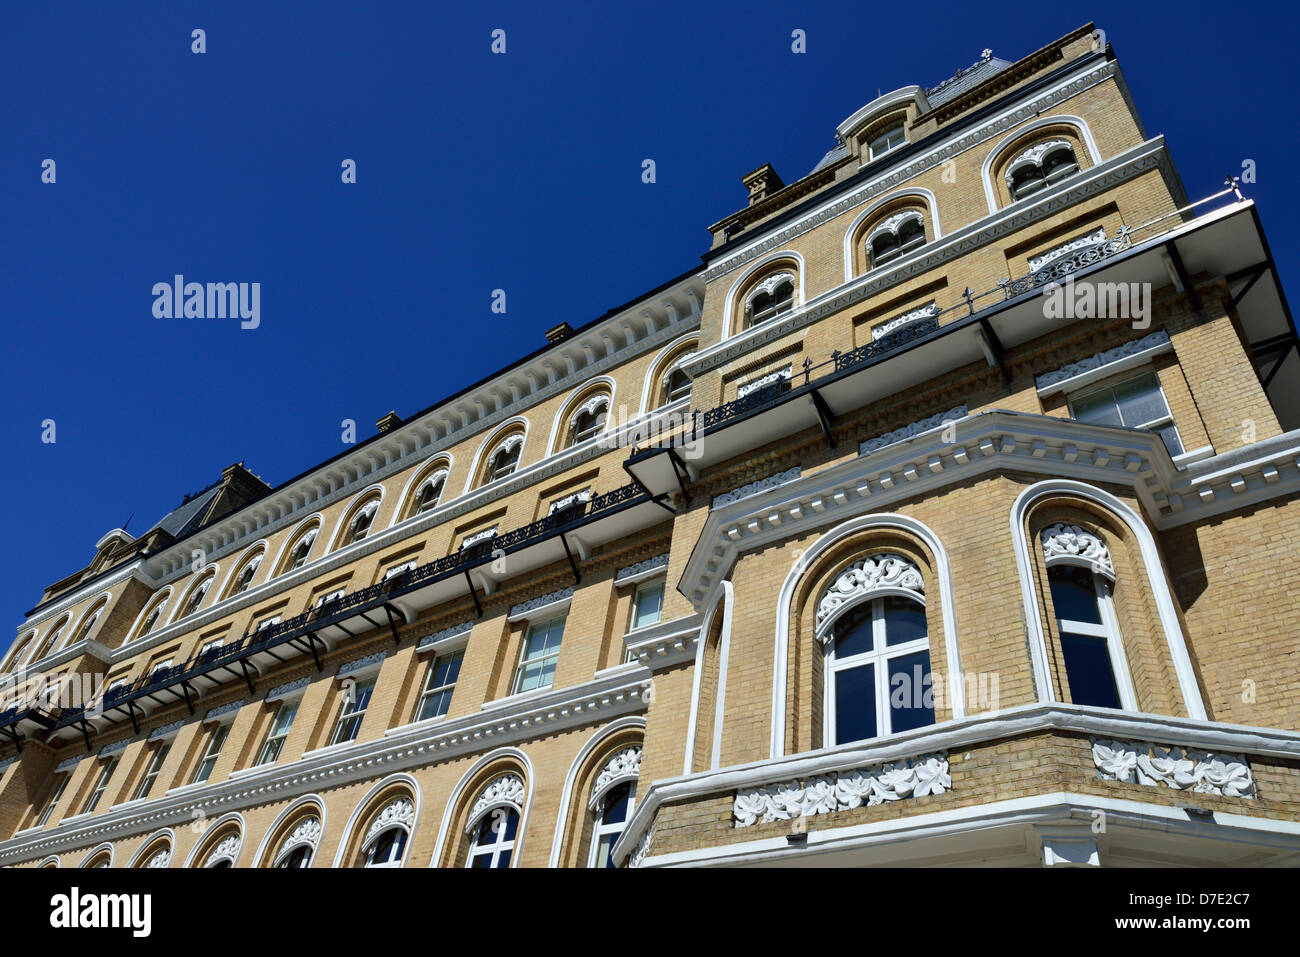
pixel 349 605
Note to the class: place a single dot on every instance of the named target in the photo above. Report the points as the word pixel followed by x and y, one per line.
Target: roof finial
pixel 986 54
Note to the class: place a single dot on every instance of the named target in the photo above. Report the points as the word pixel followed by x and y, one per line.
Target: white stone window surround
pixel 1034 155
pixel 1150 556
pixel 894 224
pixel 734 310
pixel 769 286
pixel 399 814
pixel 306 833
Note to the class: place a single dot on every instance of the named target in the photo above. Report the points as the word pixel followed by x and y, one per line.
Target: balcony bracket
pixel 246 668
pixel 12 734
pixel 473 594
pixel 577 577
pixel 392 622
pixel 825 417
pixel 135 720
pixel 993 348
pixel 659 500
pixel 189 702
pixel 1184 280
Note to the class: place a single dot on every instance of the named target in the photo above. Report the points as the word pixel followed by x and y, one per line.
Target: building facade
pixel 943 515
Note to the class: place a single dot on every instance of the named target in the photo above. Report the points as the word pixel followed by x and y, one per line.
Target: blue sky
pixel 474 172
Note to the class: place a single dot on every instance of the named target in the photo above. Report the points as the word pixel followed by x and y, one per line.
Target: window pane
pixel 1098 408
pixel 606 845
pixel 854 632
pixel 616 802
pixel 904 620
pixel 911 700
pixel 1141 401
pixel 1074 596
pixel 855 704
pixel 649 604
pixel 1087 668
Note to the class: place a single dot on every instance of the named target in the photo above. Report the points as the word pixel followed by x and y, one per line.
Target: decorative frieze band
pixel 756 488
pixel 765 380
pixel 455 631
pixel 117 747
pixel 624 575
pixel 361 664
pixel 916 428
pixel 875 573
pixel 563 503
pixel 221 711
pixel 477 537
pixel 885 328
pixel 1175 767
pixel 67 765
pixel 288 688
pixel 843 790
pixel 1054 381
pixel 166 731
pixel 523 608
pixel 1038 262
pixel 1073 545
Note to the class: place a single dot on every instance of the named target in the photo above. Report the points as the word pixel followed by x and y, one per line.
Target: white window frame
pixel 278 739
pixel 55 797
pixel 642 587
pixel 216 741
pixel 430 689
pixel 1108 630
pixel 900 128
pixel 777 308
pixel 398 853
pixel 497 847
pixel 602 829
pixel 879 657
pixel 353 712
pixel 563 619
pixel 155 768
pixel 1153 426
pixel 101 784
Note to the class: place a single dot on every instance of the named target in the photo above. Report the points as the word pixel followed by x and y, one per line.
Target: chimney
pixel 761 183
pixel 562 331
pixel 390 421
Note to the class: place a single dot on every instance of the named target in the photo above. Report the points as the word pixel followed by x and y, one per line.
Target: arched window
pixel 504 458
pixel 588 419
pixel 359 527
pixel 677 385
pixel 300 551
pixel 1079 574
pixel 245 576
pixel 224 851
pixel 21 647
pixel 772 297
pixel 1039 166
pixel 88 625
pixel 197 595
pixel 878 678
pixel 494 822
pixel 51 637
pixel 152 617
pixel 894 236
pixel 102 860
pixel 613 798
pixel 386 838
pixel 299 844
pixel 430 491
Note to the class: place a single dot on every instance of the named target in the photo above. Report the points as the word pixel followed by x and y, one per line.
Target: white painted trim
pixel 559 427
pixel 1154 572
pixel 419 474
pixel 800 292
pixel 584 754
pixel 724 650
pixel 453 801
pixel 365 805
pixel 656 370
pixel 349 512
pixel 105 598
pixel 209 571
pixel 947 606
pixel 260 859
pixel 906 95
pixel 47 861
pixel 701 649
pixel 936 229
pixel 215 826
pixel 275 570
pixel 245 557
pixel 96 851
pixel 148 844
pixel 1059 119
pixel 158 602
pixel 490 443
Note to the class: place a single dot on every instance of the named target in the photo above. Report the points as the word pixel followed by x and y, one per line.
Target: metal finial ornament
pixel 986 54
pixel 1234 183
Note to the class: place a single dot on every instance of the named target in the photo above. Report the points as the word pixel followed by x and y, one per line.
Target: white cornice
pixel 413 745
pixel 989 442
pixel 942 150
pixel 951 736
pixel 881 104
pixel 1067 193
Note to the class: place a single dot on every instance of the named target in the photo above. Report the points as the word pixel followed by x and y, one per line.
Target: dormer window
pixel 1040 166
pixel 898 234
pixel 588 420
pixel 889 139
pixel 361 522
pixel 770 298
pixel 506 458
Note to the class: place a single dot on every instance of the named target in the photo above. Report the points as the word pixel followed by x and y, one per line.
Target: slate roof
pixel 188 516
